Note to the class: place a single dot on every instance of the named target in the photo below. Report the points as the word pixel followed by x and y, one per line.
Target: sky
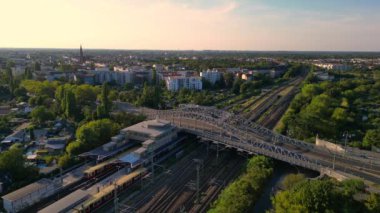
pixel 304 25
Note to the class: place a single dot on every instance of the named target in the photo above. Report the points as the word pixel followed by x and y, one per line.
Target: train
pixel 108 193
pixel 99 169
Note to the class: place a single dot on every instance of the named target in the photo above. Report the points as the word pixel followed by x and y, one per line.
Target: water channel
pixel 280 171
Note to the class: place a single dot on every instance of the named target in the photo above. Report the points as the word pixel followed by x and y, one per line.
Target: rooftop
pixel 152 127
pixel 67 202
pixel 31 188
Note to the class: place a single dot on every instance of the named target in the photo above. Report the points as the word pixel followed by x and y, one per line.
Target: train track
pixel 166 201
pixel 184 197
pixel 266 94
pixel 143 197
pixel 273 105
pixel 274 114
pixel 268 99
pixel 176 191
pixel 212 190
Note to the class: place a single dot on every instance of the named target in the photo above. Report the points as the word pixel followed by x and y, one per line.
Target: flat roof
pixel 67 202
pixel 148 142
pixel 55 146
pixel 100 153
pixel 151 127
pixel 33 187
pixel 131 158
pixel 140 150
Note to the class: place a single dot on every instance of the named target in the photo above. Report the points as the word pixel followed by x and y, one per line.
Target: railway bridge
pixel 234 131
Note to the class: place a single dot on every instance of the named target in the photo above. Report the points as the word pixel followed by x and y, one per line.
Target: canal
pixel 280 171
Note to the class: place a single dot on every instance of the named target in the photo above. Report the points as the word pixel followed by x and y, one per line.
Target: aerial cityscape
pixel 173 106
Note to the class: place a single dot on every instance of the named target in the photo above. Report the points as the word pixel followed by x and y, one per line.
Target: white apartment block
pixel 120 77
pixel 211 75
pixel 18 70
pixel 332 66
pixel 175 83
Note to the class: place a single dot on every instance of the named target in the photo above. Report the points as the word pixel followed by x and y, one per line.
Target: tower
pixel 81 58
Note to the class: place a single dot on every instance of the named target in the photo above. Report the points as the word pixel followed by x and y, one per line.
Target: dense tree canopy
pixel 331 108
pixel 372 138
pixel 150 97
pixel 41 114
pixel 240 195
pixel 91 135
pixel 12 162
pixel 319 196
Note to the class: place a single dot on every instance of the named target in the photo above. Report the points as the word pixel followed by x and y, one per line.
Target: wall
pixel 329 146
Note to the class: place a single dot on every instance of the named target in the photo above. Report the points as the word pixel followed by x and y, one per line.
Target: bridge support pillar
pixel 217 151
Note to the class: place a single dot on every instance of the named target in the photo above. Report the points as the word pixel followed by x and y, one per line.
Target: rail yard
pixel 178 189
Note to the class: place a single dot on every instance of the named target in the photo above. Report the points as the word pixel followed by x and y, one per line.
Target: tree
pixel 306 196
pixel 228 79
pixel 104 97
pixel 13 162
pixel 240 195
pixel 65 161
pixel 28 73
pixel 291 180
pixel 91 135
pixel 85 95
pixel 88 113
pixel 60 98
pixel 40 88
pixel 21 94
pixel 206 84
pixel 70 105
pixel 293 71
pixel 104 108
pixel 352 186
pixel 373 203
pixel 150 97
pixel 220 84
pixel 37 66
pixel 4 125
pixel 154 77
pixel 41 114
pixel 372 138
pixel 10 79
pixel 246 87
pixel 236 86
pixel 125 119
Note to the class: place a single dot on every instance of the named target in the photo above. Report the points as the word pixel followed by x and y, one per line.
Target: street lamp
pixel 346 135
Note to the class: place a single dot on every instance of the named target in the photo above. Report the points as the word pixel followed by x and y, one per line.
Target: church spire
pixel 81 58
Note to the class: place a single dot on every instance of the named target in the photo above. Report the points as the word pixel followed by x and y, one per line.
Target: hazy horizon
pixel 193 25
pixel 183 50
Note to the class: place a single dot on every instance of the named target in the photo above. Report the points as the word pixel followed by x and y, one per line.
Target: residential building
pixel 247 77
pixel 5 110
pixel 18 70
pixel 86 78
pixel 275 73
pixel 178 82
pixel 19 136
pixel 211 75
pixel 334 66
